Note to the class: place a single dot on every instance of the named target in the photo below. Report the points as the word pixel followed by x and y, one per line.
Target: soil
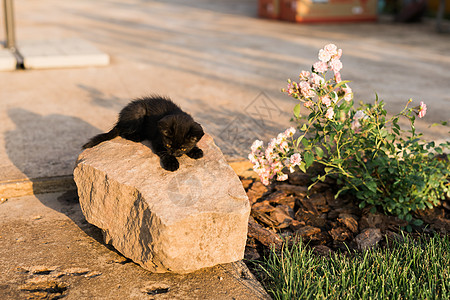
pixel 284 211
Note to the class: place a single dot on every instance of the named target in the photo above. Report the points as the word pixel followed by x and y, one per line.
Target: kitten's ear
pixel 165 126
pixel 196 131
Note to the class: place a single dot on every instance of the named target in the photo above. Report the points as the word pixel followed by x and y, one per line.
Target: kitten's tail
pixel 101 138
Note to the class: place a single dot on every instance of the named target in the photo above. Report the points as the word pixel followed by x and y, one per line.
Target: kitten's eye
pixel 167 145
pixel 183 149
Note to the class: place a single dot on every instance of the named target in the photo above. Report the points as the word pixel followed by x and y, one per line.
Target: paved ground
pixel 215 58
pixel 49 251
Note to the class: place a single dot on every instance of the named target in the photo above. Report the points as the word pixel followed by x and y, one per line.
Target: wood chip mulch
pixel 286 210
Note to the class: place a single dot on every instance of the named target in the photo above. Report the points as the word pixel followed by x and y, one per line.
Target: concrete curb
pixel 43 185
pixel 26 187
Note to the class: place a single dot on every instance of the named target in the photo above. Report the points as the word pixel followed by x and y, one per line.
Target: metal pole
pixel 440 16
pixel 9 24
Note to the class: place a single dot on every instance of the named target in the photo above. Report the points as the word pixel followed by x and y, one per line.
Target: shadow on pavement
pixel 37 144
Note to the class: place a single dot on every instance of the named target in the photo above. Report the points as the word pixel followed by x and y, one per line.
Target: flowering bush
pixel 279 154
pixel 367 153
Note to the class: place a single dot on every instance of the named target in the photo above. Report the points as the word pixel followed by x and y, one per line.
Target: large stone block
pixel 165 221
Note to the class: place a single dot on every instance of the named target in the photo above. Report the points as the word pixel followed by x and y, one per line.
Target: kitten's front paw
pixel 195 153
pixel 170 163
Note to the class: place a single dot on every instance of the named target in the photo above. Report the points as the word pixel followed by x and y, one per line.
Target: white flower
pixel 256 145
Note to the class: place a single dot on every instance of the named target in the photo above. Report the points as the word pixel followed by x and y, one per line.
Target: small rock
pixel 156 289
pixel 368 238
pixel 3 200
pixel 349 221
pixel 37 217
pixel 93 274
pixel 44 285
pixel 22 270
pixel 307 231
pixel 77 271
pixel 42 270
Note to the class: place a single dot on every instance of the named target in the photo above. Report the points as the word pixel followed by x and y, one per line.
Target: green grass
pixel 411 269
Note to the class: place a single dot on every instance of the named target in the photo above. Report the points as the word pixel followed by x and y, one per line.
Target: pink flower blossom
pixel 339 54
pixel 330 113
pixel 295 159
pixel 317 80
pixel 282 176
pixel 348 93
pixel 422 109
pixel 355 123
pixel 308 104
pixel 304 75
pixel 337 77
pixel 331 49
pixel 326 100
pixel 290 88
pixel 306 90
pixel 320 67
pixel 335 65
pixel 269 163
pixel 289 132
pixel 257 145
pixel 284 146
pixel 324 55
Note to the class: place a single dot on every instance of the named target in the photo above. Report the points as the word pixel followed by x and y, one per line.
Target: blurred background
pixel 225 62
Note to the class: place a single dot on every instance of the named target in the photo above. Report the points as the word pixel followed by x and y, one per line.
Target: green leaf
pixel 418 222
pixel 305 143
pixel 319 152
pixel 302 167
pixel 328 170
pixel 309 159
pixel 297 110
pixel 341 83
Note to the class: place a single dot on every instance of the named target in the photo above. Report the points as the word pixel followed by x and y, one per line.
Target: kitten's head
pixel 179 133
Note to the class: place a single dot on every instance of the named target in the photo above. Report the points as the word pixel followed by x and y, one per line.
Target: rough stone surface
pixel 178 221
pixel 368 238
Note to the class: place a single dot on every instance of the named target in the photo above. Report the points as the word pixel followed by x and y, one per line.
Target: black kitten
pixel 171 131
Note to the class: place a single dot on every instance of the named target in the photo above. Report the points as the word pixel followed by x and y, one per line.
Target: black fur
pixel 171 131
